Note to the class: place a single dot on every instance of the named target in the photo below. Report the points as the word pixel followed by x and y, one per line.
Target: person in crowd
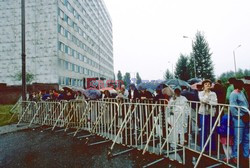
pixel 220 92
pixel 226 138
pixel 32 96
pixel 133 93
pixel 125 91
pixel 68 95
pixel 106 94
pixel 207 112
pixel 46 96
pixel 177 119
pixel 230 89
pixel 145 94
pixel 39 96
pixel 159 95
pixel 240 121
pixel 55 94
pixel 61 94
pixel 121 94
pixel 167 92
pixel 247 88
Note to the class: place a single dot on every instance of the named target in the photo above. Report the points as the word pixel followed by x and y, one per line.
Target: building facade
pixel 66 41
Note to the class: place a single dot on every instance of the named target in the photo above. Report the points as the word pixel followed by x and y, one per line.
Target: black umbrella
pixel 177 83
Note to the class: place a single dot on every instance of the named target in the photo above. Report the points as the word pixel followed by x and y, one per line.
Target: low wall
pixel 11 94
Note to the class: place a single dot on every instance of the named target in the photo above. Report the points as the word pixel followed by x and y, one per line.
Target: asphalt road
pixel 33 148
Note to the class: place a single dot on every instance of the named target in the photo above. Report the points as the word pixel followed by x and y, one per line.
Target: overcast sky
pixel 148 34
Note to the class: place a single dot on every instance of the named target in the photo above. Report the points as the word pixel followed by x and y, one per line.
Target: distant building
pixel 66 41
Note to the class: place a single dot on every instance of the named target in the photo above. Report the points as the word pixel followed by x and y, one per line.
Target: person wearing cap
pixel 178 116
pixel 240 121
pixel 207 111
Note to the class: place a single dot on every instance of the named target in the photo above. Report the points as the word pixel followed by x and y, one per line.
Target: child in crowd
pixel 226 138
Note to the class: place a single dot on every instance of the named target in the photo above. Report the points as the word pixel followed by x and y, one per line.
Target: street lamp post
pixel 194 57
pixel 234 59
pixel 172 69
pixel 24 87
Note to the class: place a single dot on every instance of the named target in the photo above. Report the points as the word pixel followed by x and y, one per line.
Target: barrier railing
pixel 161 128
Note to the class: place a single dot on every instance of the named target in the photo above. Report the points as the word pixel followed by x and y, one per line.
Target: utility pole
pixel 24 87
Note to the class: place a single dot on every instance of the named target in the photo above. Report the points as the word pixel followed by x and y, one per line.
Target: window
pixel 70 81
pixel 74 39
pixel 66 49
pixel 66 18
pixel 61 14
pixel 83 11
pixel 69 36
pixel 70 22
pixel 75 13
pixel 80 31
pixel 84 35
pixel 80 19
pixel 66 65
pixel 75 27
pixel 63 2
pixel 72 52
pixel 85 59
pixel 69 51
pixel 60 30
pixel 69 7
pixel 61 46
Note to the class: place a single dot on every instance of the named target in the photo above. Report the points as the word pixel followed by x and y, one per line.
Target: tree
pixel 138 78
pixel 126 79
pixel 201 56
pixel 239 74
pixel 168 75
pixel 182 69
pixel 119 75
pixel 29 77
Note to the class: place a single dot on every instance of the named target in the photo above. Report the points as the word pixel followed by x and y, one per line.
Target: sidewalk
pixel 12 128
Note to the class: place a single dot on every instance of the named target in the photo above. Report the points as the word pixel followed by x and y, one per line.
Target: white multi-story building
pixel 66 41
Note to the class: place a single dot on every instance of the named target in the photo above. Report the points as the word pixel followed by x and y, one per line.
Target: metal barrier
pixel 209 145
pixel 146 127
pixel 26 111
pixel 157 127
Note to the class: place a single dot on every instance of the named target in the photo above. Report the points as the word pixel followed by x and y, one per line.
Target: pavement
pixel 37 147
pixel 13 128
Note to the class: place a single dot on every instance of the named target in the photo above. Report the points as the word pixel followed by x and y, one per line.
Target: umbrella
pixel 177 83
pixel 194 80
pixel 68 89
pixel 111 90
pixel 161 86
pixel 150 86
pixel 107 88
pixel 165 89
pixel 92 94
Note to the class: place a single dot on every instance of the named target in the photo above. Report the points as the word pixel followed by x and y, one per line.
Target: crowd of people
pixel 235 95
